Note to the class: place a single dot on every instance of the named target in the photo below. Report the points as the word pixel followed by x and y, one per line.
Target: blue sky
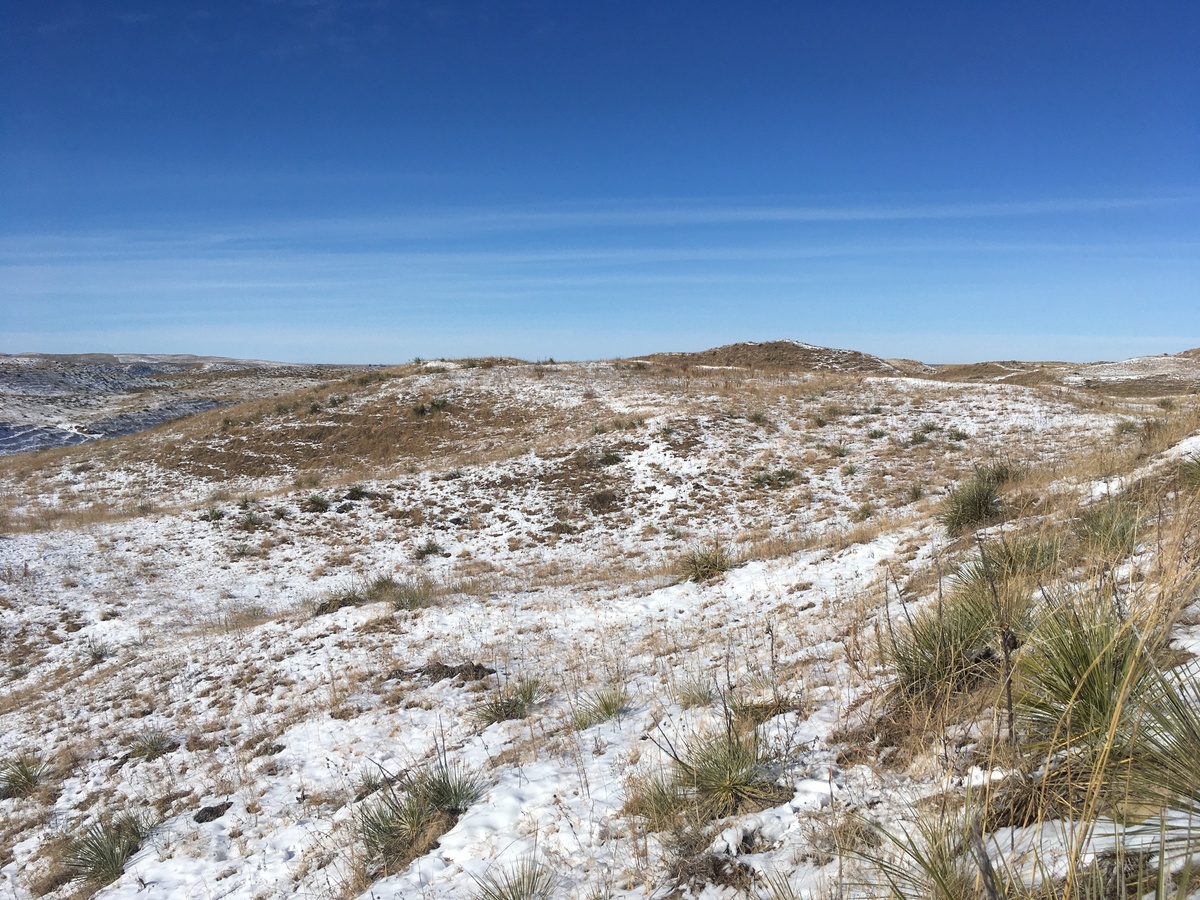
pixel 332 180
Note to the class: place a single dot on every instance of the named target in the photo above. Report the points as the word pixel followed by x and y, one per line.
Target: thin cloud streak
pixel 463 222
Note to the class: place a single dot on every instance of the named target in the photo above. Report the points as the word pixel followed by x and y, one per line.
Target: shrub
pixel 100 853
pixel 339 598
pixel 705 563
pixel 527 880
pixel 779 478
pixel 510 702
pixel 20 775
pixel 599 706
pixel 976 501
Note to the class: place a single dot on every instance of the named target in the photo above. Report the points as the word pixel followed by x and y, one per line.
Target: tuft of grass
pixel 152 743
pixel 20 775
pixel 510 702
pixel 976 501
pixel 98 856
pixel 1109 529
pixel 429 548
pixel 402 594
pixel 705 563
pixel 838 451
pixel 339 598
pixel 695 691
pixel 599 706
pixel 528 879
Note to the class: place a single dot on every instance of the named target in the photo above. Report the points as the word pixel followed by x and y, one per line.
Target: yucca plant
pixel 937 859
pixel 528 879
pixel 152 743
pixel 20 775
pixel 510 702
pixel 1081 681
pixel 976 501
pixel 1189 473
pixel 947 648
pixel 99 854
pixel 406 820
pixel 601 705
pixel 726 773
pixel 402 594
pixel 705 563
pixel 1109 529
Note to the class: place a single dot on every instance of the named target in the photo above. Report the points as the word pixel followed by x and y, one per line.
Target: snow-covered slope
pixel 209 623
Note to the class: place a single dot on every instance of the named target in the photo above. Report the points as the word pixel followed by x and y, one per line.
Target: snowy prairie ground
pixel 254 627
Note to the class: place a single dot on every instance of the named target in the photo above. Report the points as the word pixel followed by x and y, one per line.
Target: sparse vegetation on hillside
pixel 923 652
